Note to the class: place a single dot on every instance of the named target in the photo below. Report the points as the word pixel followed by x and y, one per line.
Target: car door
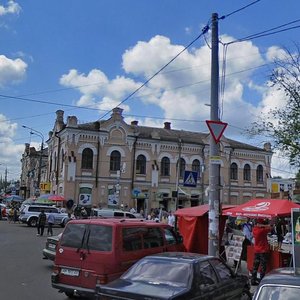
pixel 206 282
pixel 171 240
pixel 70 254
pixel 228 285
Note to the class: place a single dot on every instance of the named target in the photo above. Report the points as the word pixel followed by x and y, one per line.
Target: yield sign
pixel 216 129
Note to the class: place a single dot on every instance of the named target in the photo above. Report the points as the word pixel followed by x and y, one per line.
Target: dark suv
pixel 29 214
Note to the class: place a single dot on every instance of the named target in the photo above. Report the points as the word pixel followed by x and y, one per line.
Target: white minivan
pixel 113 213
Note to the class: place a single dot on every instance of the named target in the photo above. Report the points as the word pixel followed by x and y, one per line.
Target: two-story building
pixel 110 163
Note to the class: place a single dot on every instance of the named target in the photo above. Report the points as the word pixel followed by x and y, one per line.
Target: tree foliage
pixel 283 124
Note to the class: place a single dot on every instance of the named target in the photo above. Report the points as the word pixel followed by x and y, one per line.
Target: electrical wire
pixel 238 10
pixel 204 31
pixel 267 32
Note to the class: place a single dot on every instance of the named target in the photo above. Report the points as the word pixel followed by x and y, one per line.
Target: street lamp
pixel 38 133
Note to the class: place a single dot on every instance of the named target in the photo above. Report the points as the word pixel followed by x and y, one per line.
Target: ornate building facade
pixel 110 163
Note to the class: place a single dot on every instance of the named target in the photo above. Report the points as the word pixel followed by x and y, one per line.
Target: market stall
pixel 193 226
pixel 271 209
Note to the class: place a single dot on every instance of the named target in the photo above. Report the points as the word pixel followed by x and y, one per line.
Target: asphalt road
pixel 24 274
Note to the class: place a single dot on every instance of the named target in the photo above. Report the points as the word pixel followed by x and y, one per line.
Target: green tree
pixel 285 131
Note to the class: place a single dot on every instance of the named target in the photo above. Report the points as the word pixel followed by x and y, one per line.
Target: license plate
pixel 69 272
pixel 51 246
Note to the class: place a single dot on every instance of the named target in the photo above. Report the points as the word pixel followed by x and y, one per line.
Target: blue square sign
pixel 190 178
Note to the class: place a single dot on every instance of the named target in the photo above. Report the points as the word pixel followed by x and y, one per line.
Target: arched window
pixel 196 166
pixel 165 166
pixel 260 174
pixel 181 167
pixel 234 171
pixel 247 173
pixel 141 164
pixel 115 161
pixel 87 159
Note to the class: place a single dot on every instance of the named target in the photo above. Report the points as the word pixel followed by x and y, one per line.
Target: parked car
pixel 112 213
pixel 50 248
pixel 181 276
pixel 279 284
pixel 93 251
pixel 29 214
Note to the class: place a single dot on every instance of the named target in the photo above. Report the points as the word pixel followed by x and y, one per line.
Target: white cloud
pixel 11 70
pixel 11 8
pixel 10 152
pixel 182 89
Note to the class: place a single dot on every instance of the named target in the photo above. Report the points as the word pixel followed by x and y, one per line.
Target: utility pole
pixel 214 150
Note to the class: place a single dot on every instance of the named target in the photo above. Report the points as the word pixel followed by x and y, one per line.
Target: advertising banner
pixel 296 238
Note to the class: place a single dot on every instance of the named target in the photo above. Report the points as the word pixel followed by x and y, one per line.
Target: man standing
pixel 171 219
pixel 261 250
pixel 51 220
pixel 41 223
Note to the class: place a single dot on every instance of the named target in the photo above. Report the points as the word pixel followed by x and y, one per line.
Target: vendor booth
pixel 271 209
pixel 193 226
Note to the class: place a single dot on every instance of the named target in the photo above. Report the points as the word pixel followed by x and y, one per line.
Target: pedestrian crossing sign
pixel 190 178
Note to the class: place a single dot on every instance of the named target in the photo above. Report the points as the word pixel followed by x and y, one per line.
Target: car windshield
pixel 160 272
pixel 279 293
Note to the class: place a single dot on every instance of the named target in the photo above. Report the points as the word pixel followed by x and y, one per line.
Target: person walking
pixel 51 220
pixel 261 250
pixel 41 223
pixel 171 219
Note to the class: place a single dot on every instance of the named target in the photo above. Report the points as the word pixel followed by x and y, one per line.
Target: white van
pixel 112 213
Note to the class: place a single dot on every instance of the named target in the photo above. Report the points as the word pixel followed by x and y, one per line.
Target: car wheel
pixel 70 294
pixel 32 222
pixel 246 295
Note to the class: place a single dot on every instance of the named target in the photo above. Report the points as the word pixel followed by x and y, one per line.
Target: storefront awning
pixel 263 208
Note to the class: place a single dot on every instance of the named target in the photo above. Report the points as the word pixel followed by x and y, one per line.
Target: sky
pixel 88 56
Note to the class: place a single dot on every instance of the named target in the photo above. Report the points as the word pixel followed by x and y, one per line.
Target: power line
pixel 267 32
pixel 204 31
pixel 238 10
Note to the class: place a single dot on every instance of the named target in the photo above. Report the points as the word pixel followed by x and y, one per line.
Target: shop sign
pixel 45 186
pixel 296 238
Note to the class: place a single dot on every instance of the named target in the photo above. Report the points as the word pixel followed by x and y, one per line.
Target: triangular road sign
pixel 216 129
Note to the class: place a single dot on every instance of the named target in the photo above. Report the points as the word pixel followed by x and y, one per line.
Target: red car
pixel 97 251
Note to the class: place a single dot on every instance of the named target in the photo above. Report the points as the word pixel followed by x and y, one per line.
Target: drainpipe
pixel 229 179
pixel 97 162
pixel 57 162
pixel 133 164
pixel 177 173
pixel 202 168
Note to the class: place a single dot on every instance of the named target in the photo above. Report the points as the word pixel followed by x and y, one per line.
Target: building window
pixel 247 173
pixel 181 167
pixel 196 166
pixel 233 171
pixel 260 174
pixel 87 159
pixel 141 164
pixel 165 166
pixel 115 161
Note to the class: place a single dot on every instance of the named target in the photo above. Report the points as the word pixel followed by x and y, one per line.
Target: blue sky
pixel 70 54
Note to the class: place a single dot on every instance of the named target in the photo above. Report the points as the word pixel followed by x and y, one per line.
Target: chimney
pixel 27 145
pixel 72 121
pixel 134 123
pixel 167 125
pixel 117 114
pixel 60 116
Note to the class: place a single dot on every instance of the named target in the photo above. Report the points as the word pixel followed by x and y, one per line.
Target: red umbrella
pixel 56 198
pixel 263 208
pixel 52 197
